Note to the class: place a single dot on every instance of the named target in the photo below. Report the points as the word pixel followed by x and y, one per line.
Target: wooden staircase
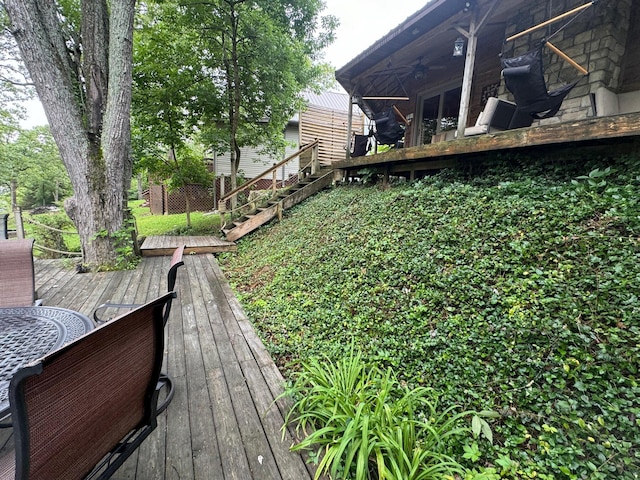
pixel 274 207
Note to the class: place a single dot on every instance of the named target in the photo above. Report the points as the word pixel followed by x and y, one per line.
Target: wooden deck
pixel 616 130
pixel 165 245
pixel 223 422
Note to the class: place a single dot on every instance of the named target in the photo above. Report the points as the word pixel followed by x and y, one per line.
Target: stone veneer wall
pixel 597 38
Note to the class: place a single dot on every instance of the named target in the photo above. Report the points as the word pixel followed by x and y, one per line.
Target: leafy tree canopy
pixel 230 71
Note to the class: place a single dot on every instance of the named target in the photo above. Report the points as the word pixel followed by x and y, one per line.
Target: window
pixel 439 113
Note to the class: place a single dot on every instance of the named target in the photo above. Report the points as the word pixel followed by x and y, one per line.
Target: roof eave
pixel 365 59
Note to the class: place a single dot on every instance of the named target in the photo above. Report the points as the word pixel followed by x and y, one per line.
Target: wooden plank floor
pixel 165 245
pixel 614 130
pixel 223 422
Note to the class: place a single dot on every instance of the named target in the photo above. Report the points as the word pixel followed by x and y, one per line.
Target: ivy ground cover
pixel 513 289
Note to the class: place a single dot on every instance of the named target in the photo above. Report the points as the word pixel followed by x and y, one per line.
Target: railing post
pixel 222 185
pixel 222 208
pixel 315 159
pixel 274 180
pixel 17 213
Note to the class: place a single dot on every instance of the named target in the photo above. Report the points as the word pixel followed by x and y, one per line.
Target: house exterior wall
pixel 597 40
pixel 253 163
pixel 331 127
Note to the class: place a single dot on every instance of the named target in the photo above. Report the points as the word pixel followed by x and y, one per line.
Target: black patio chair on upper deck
pixel 524 74
pixel 524 77
pixel 176 262
pixel 388 130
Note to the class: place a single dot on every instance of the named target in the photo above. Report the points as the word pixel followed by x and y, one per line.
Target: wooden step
pixel 292 196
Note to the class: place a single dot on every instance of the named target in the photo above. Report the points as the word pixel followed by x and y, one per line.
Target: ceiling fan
pixel 417 70
pixel 398 74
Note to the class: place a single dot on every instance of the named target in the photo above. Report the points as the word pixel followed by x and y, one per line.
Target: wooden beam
pixel 398 112
pixel 387 98
pixel 467 79
pixel 550 21
pixel 567 58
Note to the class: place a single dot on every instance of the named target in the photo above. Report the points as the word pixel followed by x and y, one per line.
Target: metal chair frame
pixel 82 410
pixel 176 262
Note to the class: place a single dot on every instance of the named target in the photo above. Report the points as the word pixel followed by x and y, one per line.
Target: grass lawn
pixel 175 224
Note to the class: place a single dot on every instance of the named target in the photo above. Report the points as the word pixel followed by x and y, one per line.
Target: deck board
pixel 223 422
pixel 166 244
pixel 614 131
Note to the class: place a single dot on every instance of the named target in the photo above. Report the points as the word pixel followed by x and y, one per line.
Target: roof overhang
pixel 417 53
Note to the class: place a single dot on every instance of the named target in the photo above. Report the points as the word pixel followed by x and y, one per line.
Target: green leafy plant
pixel 363 423
pixel 506 286
pixel 124 239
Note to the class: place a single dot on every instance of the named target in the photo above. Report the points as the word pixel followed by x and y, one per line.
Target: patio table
pixel 28 333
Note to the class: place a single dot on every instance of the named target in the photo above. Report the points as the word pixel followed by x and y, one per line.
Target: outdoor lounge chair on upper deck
pixel 498 115
pixel 524 77
pixel 82 410
pixel 17 275
pixel 388 131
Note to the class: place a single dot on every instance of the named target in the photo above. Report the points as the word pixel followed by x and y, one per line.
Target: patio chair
pixel 360 145
pixel 388 130
pixel 498 115
pixel 176 262
pixel 4 229
pixel 82 410
pixel 524 77
pixel 17 276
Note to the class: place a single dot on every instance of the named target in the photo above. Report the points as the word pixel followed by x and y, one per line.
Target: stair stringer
pixel 262 216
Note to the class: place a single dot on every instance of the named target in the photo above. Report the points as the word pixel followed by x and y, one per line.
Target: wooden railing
pixel 309 164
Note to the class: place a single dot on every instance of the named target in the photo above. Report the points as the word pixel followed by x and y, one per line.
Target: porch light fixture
pixel 458 47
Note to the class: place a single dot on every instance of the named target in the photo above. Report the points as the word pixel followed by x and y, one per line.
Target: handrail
pixel 255 180
pixel 313 165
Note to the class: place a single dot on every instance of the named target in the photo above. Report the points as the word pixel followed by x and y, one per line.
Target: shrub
pixel 363 423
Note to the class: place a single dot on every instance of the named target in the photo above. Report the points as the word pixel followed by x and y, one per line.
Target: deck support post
pixel 386 176
pixel 347 155
pixel 469 64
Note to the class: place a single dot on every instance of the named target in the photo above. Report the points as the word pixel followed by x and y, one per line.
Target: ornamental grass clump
pixel 361 423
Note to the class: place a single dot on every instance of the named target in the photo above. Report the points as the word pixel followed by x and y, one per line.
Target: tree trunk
pixel 87 105
pixel 14 194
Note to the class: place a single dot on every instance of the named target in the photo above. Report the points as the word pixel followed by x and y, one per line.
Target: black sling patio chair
pixel 524 77
pixel 360 145
pixel 524 74
pixel 388 130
